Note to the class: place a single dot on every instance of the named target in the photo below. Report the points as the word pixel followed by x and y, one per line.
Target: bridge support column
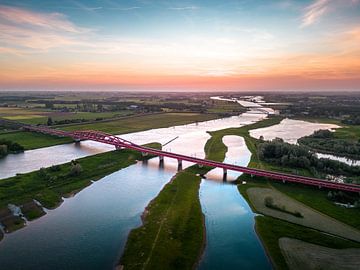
pixel 200 165
pixel 77 140
pixel 179 164
pixel 118 147
pixel 144 154
pixel 161 161
pixel 283 181
pixel 224 174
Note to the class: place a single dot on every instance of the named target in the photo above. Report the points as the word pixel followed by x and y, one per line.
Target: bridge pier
pixel 224 174
pixel 118 147
pixel 200 166
pixel 179 165
pixel 161 161
pixel 144 154
pixel 77 140
pixel 283 181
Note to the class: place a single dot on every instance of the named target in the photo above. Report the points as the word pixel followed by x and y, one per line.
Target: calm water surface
pixel 89 231
pixel 232 242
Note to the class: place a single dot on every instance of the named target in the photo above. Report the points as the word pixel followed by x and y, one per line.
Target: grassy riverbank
pixel 49 185
pixel 31 140
pixel 172 234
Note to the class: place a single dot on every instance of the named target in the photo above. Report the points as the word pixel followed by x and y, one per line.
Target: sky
pixel 180 45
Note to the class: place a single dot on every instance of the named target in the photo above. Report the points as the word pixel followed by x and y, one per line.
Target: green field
pixel 271 229
pixel 139 123
pixel 31 140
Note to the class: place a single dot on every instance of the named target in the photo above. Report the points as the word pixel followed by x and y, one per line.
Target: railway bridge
pixel 120 143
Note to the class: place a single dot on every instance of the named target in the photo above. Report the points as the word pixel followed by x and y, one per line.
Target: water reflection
pixel 232 242
pixel 190 141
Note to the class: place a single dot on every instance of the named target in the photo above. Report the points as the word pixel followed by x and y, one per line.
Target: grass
pixel 317 199
pixel 145 122
pixel 172 234
pixel 32 140
pixel 271 229
pixel 56 116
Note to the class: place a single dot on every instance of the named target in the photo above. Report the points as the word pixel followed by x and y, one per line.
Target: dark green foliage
pixel 49 121
pixel 325 141
pixel 12 147
pixel 269 202
pixel 288 155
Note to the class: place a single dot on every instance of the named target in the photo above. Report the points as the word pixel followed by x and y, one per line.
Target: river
pixel 89 230
pixel 231 240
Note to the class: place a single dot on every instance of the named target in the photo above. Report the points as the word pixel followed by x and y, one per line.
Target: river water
pixel 89 230
pixel 231 241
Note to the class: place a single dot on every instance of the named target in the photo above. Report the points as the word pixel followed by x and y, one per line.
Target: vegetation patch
pixel 326 142
pixel 7 147
pixel 269 202
pixel 172 233
pixel 31 210
pixel 271 230
pixel 295 156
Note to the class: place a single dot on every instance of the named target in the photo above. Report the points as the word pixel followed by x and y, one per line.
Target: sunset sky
pixel 180 45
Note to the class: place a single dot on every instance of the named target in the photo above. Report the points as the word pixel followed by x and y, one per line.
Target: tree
pixel 49 121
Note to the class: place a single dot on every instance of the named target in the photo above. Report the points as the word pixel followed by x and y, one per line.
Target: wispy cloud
pixel 314 11
pixel 319 8
pixel 184 8
pixel 28 29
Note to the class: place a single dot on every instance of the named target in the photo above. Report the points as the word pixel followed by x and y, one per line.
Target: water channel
pixel 89 230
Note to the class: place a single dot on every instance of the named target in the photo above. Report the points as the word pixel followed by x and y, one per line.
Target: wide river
pixel 89 230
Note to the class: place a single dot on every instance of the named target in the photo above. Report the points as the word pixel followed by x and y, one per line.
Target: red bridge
pixel 119 143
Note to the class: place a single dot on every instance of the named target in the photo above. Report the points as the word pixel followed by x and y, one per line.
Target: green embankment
pixel 172 234
pixel 49 185
pixel 31 140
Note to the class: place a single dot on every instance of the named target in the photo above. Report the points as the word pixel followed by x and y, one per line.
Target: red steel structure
pixel 119 143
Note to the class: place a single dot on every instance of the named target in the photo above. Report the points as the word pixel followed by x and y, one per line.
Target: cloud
pixel 22 28
pixel 184 8
pixel 313 12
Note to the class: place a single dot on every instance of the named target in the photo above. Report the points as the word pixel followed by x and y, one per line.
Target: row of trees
pixel 7 146
pixel 283 154
pixel 324 140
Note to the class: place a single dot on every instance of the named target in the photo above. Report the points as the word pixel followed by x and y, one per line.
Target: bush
pixel 75 170
pixel 269 201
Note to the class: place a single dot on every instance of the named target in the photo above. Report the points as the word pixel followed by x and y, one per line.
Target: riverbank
pixel 31 140
pixel 172 235
pixel 173 232
pixel 49 185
